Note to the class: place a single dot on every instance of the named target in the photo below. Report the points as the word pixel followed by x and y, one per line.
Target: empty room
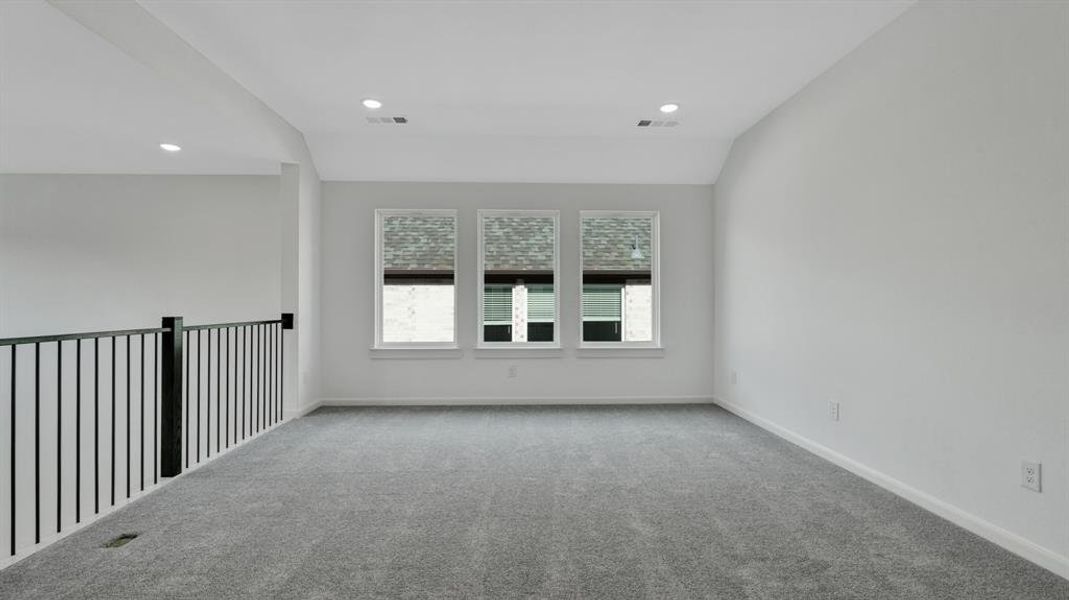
pixel 591 299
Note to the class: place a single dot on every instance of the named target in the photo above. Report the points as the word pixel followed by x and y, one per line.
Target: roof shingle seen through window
pixel 608 241
pixel 418 243
pixel 514 244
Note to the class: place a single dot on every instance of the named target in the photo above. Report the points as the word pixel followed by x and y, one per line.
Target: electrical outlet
pixel 1032 476
pixel 734 377
pixel 512 371
pixel 833 410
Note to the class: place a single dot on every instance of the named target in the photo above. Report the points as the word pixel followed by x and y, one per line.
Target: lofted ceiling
pixel 493 91
pixel 71 102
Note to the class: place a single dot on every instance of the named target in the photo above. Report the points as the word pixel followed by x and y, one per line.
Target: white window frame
pixel 655 277
pixel 480 284
pixel 381 215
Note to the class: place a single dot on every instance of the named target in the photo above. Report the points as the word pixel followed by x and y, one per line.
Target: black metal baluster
pixel 78 433
pixel 252 381
pixel 247 375
pixel 263 389
pixel 199 331
pixel 263 374
pixel 254 388
pixel 269 375
pixel 113 420
pixel 96 426
pixel 263 377
pixel 141 415
pixel 269 360
pixel 250 405
pixel 37 443
pixel 218 381
pixel 259 372
pixel 127 417
pixel 244 381
pixel 14 366
pixel 59 435
pixel 274 373
pixel 260 378
pixel 239 380
pixel 226 404
pixel 187 392
pixel 270 402
pixel 208 371
pixel 155 408
pixel 269 357
pixel 278 373
pixel 282 372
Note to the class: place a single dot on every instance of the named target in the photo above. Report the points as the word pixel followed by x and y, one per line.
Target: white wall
pixel 309 263
pixel 93 252
pixel 351 374
pixel 895 238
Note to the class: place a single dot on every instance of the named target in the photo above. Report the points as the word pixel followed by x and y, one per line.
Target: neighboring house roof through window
pixel 422 243
pixel 608 241
pixel 517 244
pixel 418 243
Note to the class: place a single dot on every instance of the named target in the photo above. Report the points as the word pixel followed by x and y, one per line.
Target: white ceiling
pixel 494 91
pixel 71 102
pixel 528 91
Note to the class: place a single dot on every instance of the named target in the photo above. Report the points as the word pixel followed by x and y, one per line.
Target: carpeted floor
pixel 532 502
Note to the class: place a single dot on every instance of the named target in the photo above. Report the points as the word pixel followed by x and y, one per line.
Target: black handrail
pixel 235 324
pixel 63 337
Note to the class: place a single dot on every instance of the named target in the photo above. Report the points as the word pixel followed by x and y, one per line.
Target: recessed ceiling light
pixel 669 108
pixel 170 147
pixel 371 103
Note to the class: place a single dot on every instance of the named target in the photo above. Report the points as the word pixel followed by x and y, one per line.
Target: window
pixel 518 277
pixel 415 278
pixel 497 311
pixel 620 291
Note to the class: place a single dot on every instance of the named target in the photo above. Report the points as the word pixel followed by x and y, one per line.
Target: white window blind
pixel 602 302
pixel 497 305
pixel 540 307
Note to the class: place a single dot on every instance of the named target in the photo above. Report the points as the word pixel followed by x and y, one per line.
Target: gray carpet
pixel 531 502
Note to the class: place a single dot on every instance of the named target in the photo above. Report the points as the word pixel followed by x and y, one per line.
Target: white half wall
pixel 896 238
pixel 350 374
pixel 98 252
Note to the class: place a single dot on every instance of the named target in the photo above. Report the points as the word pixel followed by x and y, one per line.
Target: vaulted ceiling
pixel 71 102
pixel 492 91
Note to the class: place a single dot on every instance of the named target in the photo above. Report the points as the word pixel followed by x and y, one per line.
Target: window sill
pixel 415 353
pixel 519 352
pixel 620 352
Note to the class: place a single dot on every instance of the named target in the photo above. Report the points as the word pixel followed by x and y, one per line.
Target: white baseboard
pixel 1020 546
pixel 504 401
pixel 291 414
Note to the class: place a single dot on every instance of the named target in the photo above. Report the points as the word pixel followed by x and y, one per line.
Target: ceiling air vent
pixel 387 120
pixel 651 123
